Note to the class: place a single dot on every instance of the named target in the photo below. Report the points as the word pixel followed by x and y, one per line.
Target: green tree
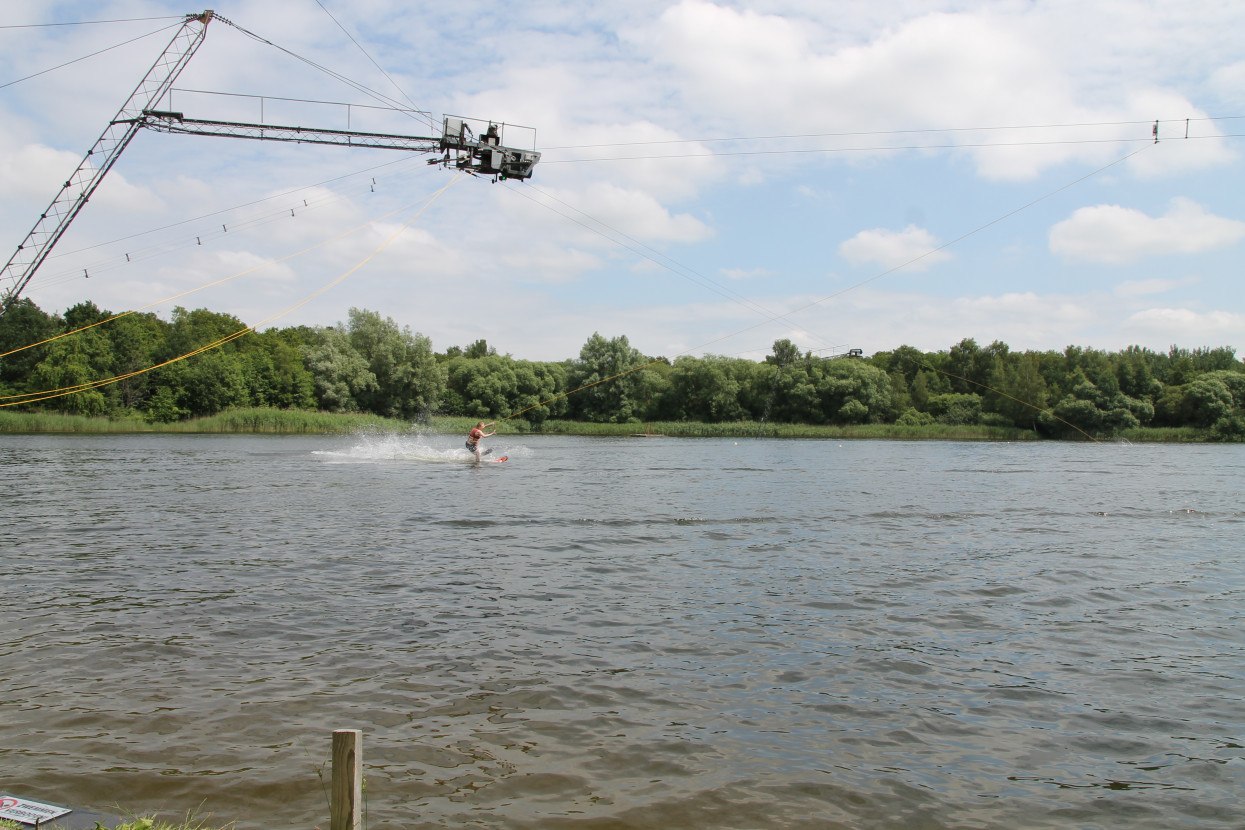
pixel 708 389
pixel 190 331
pixel 1234 380
pixel 208 383
pixel 1095 410
pixel 275 373
pixel 162 407
pixel 72 364
pixel 1206 400
pixel 408 379
pixel 67 371
pixel 1222 358
pixel 966 367
pixel 784 353
pixel 956 409
pixel 373 365
pixel 482 387
pixel 926 385
pixel 1179 368
pixel 1017 389
pixel 22 325
pixel 136 341
pixel 479 349
pixel 208 373
pixel 340 375
pixel 901 398
pixel 610 389
pixel 540 391
pixel 1135 373
pixel 852 391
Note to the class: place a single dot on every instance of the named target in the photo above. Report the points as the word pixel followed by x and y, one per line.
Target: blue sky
pixel 715 175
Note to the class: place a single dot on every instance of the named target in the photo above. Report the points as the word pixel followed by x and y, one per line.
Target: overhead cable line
pixel 89 22
pixel 918 131
pixel 229 278
pixel 222 211
pixel 860 284
pixel 30 397
pixel 359 87
pixel 134 255
pixel 776 317
pixel 263 98
pixel 649 253
pixel 93 54
pixel 366 54
pixel 890 148
pixel 941 247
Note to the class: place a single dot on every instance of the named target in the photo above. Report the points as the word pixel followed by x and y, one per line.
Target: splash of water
pixel 402 447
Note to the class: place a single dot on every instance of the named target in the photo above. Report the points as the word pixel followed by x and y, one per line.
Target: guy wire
pixel 69 390
pixel 231 277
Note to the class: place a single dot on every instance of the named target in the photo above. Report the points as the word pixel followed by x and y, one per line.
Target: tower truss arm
pixel 458 147
pixel 172 122
pixel 78 188
pixel 483 155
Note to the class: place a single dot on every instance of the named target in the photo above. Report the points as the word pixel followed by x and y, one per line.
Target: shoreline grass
pixel 256 420
pixel 755 429
pixel 264 421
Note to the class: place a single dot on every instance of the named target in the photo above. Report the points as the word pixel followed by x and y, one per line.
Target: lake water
pixel 627 633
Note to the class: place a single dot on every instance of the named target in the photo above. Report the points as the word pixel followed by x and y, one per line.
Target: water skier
pixel 473 438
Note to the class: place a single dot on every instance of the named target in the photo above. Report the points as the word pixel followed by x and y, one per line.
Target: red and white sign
pixel 28 812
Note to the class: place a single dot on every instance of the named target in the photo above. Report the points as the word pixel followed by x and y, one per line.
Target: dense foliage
pixel 371 365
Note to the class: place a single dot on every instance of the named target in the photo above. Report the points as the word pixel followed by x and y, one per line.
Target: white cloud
pixel 636 213
pixel 1229 83
pixel 1146 288
pixel 246 262
pixel 1186 326
pixel 665 77
pixel 1117 235
pixel 779 75
pixel 912 247
pixel 745 273
pixel 36 171
pixel 548 263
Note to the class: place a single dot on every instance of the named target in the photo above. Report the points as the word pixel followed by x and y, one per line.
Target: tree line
pixel 371 364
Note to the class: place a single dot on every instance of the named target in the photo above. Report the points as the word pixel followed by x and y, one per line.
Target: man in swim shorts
pixel 473 438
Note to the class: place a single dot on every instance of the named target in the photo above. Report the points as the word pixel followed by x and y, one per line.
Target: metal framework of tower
pixel 483 155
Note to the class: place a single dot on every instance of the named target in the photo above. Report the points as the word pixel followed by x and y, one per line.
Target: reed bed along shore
pixel 257 420
pixel 296 421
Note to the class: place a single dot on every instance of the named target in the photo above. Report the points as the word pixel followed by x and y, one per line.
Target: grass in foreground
pixel 135 824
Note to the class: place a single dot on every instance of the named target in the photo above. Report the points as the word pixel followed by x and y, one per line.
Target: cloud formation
pixel 767 144
pixel 1116 235
pixel 913 247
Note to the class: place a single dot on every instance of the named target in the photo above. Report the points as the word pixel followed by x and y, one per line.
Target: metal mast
pixel 460 148
pixel 101 157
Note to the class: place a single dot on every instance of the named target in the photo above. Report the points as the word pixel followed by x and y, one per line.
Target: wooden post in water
pixel 346 807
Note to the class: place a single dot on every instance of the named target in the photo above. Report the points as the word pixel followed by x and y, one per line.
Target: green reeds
pixel 754 429
pixel 30 422
pixel 249 421
pixel 1164 435
pixel 261 420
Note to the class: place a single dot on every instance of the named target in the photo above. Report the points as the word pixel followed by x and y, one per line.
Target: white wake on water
pixel 402 447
